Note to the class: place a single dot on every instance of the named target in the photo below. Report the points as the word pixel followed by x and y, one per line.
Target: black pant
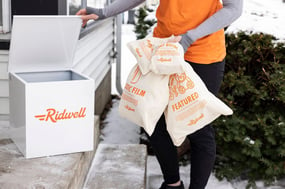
pixel 203 146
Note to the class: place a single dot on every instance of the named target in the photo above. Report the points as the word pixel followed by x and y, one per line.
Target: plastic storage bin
pixel 51 105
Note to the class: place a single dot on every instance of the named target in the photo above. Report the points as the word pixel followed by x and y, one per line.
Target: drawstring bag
pixel 191 106
pixel 144 98
pixel 162 81
pixel 145 95
pixel 166 59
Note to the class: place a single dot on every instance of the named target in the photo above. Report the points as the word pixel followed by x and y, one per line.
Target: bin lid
pixel 43 43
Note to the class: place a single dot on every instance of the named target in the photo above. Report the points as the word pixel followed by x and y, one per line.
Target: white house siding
pixel 4 87
pixel 94 51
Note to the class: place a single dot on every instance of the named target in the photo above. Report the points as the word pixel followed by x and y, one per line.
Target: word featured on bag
pixel 53 115
pixel 180 104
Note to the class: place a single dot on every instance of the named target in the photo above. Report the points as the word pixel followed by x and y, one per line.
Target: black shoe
pixel 165 186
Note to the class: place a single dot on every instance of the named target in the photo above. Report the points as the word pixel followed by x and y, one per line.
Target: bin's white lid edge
pixel 66 65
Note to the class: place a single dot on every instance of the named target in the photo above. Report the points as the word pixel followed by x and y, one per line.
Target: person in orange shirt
pixel 199 28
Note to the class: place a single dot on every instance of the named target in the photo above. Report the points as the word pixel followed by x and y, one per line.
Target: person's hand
pixel 85 17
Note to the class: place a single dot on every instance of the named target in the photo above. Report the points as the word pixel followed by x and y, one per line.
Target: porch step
pixel 55 172
pixel 118 166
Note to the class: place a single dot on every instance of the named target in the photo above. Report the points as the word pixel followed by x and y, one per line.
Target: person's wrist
pixel 98 12
pixel 186 40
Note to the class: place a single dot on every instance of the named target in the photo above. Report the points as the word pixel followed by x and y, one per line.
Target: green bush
pixel 251 142
pixel 143 25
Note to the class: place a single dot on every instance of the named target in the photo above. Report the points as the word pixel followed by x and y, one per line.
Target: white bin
pixel 51 106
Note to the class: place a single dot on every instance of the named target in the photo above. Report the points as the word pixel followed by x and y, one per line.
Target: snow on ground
pixel 265 16
pixel 119 130
pixel 155 177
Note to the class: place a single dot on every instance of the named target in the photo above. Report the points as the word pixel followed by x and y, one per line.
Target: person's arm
pixel 117 7
pixel 232 9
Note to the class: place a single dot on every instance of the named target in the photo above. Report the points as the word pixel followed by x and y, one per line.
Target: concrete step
pixel 118 166
pixel 67 171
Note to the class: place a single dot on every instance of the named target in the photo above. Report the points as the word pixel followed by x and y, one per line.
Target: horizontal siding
pixel 4 85
pixel 4 106
pixel 3 56
pixel 101 70
pixel 3 71
pixel 4 88
pixel 92 56
pixel 3 64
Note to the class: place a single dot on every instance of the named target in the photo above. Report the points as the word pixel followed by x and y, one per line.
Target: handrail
pixel 119 53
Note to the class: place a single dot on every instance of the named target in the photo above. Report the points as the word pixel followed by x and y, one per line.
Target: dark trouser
pixel 203 146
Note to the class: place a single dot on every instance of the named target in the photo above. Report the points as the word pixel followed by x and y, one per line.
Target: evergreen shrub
pixel 251 142
pixel 143 24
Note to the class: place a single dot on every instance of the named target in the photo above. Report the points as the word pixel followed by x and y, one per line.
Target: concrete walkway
pixel 115 166
pixel 118 166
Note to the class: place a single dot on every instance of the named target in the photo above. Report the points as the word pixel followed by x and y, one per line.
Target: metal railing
pixel 5 25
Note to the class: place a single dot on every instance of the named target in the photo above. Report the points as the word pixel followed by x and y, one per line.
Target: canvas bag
pixel 191 106
pixel 145 95
pixel 166 58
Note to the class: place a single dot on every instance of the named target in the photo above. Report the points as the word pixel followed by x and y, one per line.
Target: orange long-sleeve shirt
pixel 176 17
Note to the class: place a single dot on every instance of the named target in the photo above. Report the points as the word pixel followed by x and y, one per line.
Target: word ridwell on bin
pixel 54 115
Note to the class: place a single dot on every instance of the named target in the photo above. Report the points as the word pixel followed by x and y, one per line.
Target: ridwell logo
pixel 53 115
